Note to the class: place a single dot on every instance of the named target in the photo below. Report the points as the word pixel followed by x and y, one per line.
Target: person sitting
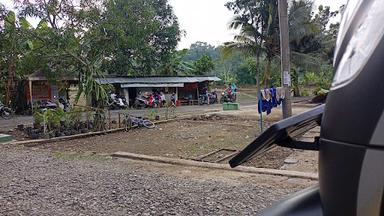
pixel 229 91
pixel 113 96
pixel 190 99
pixel 205 95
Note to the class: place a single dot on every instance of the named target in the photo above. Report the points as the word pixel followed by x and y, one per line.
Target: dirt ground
pixel 181 139
pixel 78 177
pixel 189 139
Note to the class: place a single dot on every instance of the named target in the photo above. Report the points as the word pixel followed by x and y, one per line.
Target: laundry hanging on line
pixel 271 98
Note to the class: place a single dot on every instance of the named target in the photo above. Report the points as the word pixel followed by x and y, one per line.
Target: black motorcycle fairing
pixel 339 172
pixel 354 111
pixel 303 203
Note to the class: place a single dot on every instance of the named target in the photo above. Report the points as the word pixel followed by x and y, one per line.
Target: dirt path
pixel 37 183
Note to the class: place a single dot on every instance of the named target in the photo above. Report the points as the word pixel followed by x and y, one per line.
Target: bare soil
pixel 181 139
pixel 188 139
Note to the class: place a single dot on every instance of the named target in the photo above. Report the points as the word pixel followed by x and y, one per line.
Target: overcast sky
pixel 207 20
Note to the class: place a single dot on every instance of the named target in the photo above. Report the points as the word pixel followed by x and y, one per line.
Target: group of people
pixel 157 98
pixel 207 97
pixel 154 99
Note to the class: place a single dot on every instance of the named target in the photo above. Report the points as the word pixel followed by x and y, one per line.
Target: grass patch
pixel 247 96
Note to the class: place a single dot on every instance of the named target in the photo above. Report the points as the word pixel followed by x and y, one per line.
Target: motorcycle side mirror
pixel 283 133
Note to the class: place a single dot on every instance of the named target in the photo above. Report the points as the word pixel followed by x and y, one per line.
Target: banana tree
pixel 10 52
pixel 14 44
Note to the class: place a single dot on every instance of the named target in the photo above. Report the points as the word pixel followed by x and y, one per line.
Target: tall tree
pixel 312 37
pixel 64 41
pixel 90 38
pixel 142 34
pixel 258 25
pixel 203 66
pixel 312 42
pixel 199 49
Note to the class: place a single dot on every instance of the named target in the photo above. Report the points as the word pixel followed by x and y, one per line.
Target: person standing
pixel 234 91
pixel 173 100
pixel 162 98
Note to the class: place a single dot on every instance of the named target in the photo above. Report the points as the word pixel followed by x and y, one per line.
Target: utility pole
pixel 284 53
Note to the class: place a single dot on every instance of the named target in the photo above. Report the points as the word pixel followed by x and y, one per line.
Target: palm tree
pixel 259 35
pixel 310 42
pixel 302 31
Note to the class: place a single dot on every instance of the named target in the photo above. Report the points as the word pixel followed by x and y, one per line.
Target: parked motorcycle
pixel 64 104
pixel 5 112
pixel 141 102
pixel 225 98
pixel 212 98
pixel 117 102
pixel 46 104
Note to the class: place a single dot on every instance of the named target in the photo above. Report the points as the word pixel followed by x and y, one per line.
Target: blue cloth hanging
pixel 267 105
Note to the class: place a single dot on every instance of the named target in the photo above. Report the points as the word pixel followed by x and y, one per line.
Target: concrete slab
pixel 4 138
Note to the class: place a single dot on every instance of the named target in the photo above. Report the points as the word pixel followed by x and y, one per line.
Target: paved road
pixel 28 120
pixel 35 182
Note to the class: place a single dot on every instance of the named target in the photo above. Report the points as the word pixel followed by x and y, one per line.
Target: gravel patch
pixel 35 182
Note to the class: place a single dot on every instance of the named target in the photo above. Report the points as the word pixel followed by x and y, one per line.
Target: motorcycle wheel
pixel 6 114
pixel 148 124
pixel 222 100
pixel 136 105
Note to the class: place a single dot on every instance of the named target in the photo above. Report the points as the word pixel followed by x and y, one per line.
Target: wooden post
pixel 30 94
pixel 285 62
pixel 197 92
pixel 109 119
pixel 119 121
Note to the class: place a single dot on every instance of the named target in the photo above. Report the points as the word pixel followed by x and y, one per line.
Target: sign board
pixel 286 78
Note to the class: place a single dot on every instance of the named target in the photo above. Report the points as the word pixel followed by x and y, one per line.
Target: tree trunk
pixel 296 89
pixel 267 73
pixel 9 88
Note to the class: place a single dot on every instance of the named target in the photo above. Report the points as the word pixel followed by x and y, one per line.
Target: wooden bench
pixel 189 102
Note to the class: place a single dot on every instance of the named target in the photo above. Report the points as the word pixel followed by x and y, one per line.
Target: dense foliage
pixel 312 38
pixel 92 38
pixel 87 39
